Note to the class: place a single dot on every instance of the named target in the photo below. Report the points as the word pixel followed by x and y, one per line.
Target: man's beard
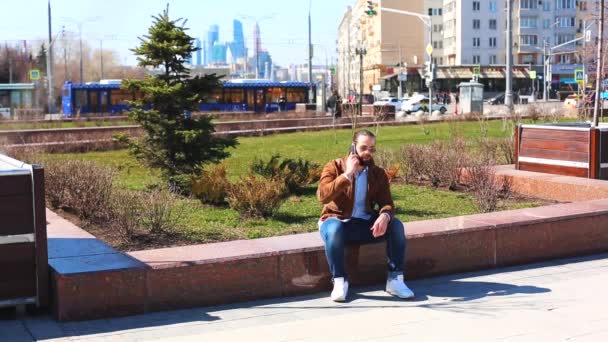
pixel 365 162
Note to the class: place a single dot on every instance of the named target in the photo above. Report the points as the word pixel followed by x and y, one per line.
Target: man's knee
pixel 396 228
pixel 332 230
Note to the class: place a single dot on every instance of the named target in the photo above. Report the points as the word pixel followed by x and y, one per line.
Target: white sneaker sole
pixel 400 296
pixel 339 299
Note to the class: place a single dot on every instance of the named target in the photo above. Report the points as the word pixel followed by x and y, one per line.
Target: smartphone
pixel 353 150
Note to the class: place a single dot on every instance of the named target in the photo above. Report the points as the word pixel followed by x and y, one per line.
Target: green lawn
pixel 203 223
pixel 318 147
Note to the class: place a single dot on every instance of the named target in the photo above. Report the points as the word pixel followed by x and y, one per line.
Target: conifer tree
pixel 174 141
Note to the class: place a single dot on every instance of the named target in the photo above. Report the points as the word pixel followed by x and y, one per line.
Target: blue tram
pixel 234 95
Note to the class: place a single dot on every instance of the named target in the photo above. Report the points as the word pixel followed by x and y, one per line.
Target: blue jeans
pixel 336 234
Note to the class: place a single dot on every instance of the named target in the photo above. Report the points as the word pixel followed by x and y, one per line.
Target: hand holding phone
pixel 353 161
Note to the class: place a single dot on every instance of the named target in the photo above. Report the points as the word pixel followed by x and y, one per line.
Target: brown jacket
pixel 337 193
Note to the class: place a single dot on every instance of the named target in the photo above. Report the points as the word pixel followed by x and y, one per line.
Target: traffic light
pixel 428 70
pixel 371 9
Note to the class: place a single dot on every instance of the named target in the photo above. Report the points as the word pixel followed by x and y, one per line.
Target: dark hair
pixel 363 132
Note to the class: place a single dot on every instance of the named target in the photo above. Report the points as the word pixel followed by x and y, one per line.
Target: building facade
pixel 213 36
pixel 388 39
pixel 474 32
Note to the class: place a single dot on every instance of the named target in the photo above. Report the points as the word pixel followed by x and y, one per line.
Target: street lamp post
pixel 361 51
pixel 509 85
pixel 600 65
pixel 310 52
pixel 49 65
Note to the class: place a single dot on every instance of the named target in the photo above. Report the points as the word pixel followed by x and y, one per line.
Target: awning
pixel 388 77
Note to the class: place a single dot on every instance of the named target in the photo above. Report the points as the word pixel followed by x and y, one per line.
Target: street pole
pixel 545 71
pixel 400 88
pixel 600 65
pixel 430 108
pixel 101 59
pixel 360 51
pixel 310 53
pixel 257 52
pixel 509 86
pixel 49 66
pixel 81 68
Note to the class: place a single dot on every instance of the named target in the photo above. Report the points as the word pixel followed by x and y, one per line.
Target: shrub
pixel 414 162
pixel 506 150
pixel 256 197
pixel 296 174
pixel 533 112
pixel 126 212
pixel 387 159
pixel 210 187
pixel 440 162
pixel 487 189
pixel 161 211
pixel 82 186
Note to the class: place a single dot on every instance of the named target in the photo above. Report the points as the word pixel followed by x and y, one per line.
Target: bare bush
pixel 126 212
pixel 413 162
pixel 455 158
pixel 533 112
pixel 487 189
pixel 388 160
pixel 161 212
pixel 506 150
pixel 82 186
pixel 256 196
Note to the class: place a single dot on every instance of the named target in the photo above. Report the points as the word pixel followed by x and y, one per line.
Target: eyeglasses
pixel 369 149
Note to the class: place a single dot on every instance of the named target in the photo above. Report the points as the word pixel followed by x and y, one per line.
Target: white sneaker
pixel 397 288
pixel 340 290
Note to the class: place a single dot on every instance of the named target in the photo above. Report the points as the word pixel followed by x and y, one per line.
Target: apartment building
pixel 389 39
pixel 344 46
pixel 434 9
pixel 473 32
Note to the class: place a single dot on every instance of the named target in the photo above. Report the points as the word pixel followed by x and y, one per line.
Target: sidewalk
pixel 553 301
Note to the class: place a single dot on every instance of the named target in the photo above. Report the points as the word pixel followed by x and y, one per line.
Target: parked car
pixel 500 99
pixel 5 113
pixel 420 102
pixel 390 101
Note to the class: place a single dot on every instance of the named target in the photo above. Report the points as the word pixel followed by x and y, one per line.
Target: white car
pixel 420 102
pixel 5 112
pixel 390 101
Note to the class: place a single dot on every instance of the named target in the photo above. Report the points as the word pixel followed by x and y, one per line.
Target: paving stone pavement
pixel 562 300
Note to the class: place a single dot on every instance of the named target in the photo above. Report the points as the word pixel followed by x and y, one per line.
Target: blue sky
pixel 119 22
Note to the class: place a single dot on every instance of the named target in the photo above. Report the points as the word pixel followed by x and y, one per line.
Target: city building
pixel 197 44
pixel 345 55
pixel 237 47
pixel 473 32
pixel 218 53
pixel 388 39
pixel 213 36
pixel 434 9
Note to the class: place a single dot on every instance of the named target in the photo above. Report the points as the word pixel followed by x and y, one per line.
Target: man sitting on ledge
pixel 349 189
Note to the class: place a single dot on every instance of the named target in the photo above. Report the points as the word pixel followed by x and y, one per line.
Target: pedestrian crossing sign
pixel 579 75
pixel 34 75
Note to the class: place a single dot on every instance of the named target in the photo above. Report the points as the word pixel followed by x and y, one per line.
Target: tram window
pixel 273 94
pixel 234 95
pixel 296 95
pixel 214 97
pixel 120 97
pixel 80 98
pixel 66 92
